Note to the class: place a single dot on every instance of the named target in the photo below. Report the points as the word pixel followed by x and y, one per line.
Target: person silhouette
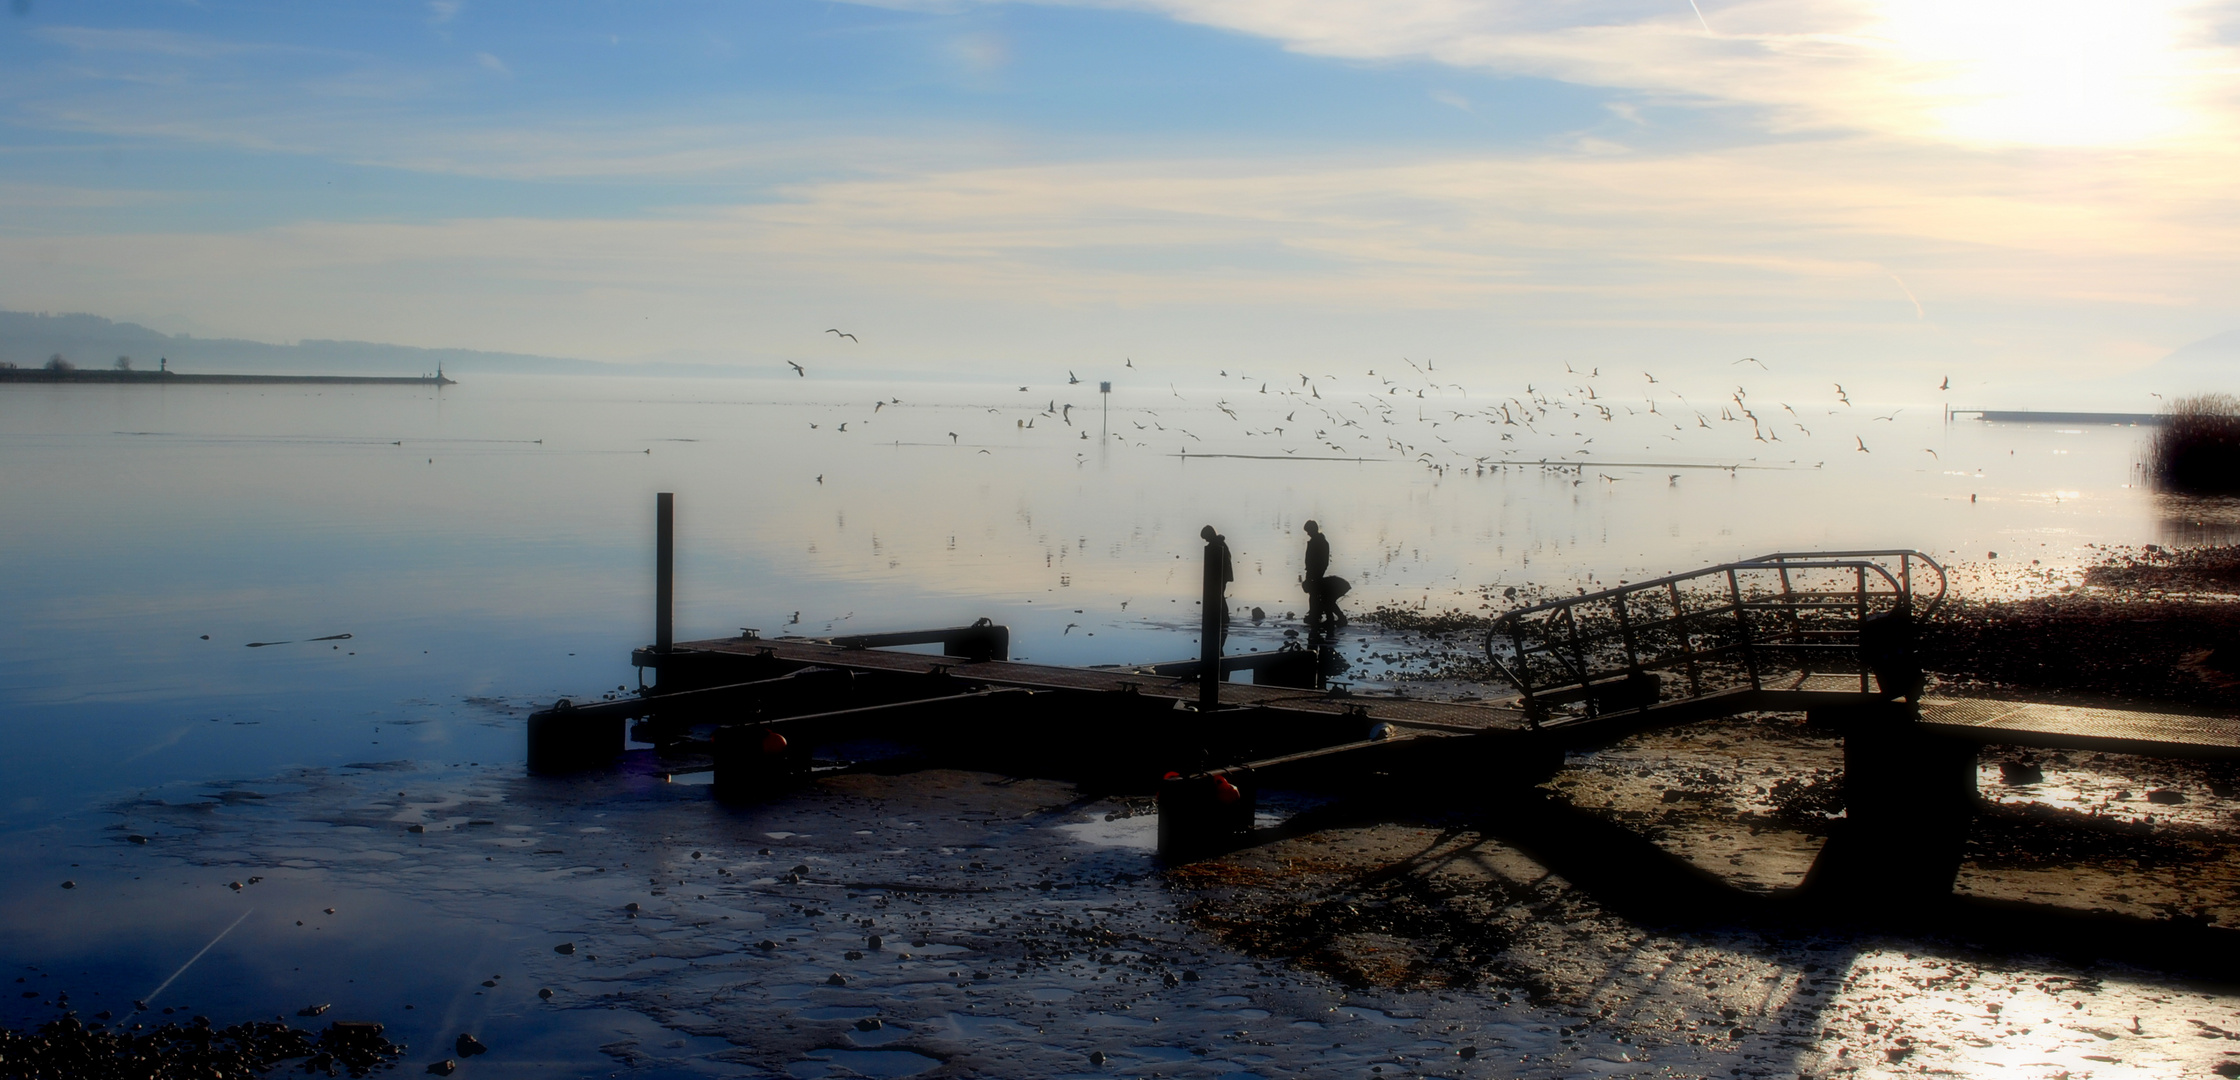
pixel 1218 565
pixel 1321 588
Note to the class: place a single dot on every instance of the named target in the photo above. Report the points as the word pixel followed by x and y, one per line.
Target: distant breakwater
pixel 169 378
pixel 2028 416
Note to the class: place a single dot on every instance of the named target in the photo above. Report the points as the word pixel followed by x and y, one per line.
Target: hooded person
pixel 1322 590
pixel 1218 565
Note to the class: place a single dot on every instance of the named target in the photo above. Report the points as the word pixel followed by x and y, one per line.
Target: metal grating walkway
pixel 2073 727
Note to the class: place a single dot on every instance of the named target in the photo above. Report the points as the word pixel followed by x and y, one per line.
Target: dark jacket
pixel 1228 569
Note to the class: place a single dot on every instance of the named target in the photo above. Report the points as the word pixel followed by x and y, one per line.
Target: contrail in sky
pixel 1917 312
pixel 1699 16
pixel 190 960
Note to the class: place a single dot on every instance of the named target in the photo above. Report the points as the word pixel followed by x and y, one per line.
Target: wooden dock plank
pixel 1456 717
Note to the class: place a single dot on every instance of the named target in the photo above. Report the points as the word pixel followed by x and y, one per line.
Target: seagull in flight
pixel 1841 396
pixel 1752 360
pixel 1072 379
pixel 845 334
pixel 1862 445
pixel 797 369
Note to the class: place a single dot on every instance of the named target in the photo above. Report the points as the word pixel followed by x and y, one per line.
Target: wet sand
pixel 1025 930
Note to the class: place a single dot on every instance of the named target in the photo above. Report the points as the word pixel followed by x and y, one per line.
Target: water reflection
pixel 2197 521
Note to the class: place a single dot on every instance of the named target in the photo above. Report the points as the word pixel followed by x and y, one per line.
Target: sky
pixel 2006 194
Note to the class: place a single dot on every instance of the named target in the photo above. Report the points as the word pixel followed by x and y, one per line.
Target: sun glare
pixel 2051 72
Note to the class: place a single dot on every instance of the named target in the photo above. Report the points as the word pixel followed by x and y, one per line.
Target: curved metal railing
pixel 1793 618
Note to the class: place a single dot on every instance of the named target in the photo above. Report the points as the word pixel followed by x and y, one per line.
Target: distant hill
pixel 2210 364
pixel 89 341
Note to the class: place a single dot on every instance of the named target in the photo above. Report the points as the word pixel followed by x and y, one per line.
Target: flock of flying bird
pixel 1407 411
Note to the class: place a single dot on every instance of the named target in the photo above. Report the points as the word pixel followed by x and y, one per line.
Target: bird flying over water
pixel 1862 445
pixel 797 369
pixel 1752 360
pixel 1072 379
pixel 845 334
pixel 1841 396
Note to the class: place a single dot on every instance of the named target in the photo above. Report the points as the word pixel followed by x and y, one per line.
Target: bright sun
pixel 2051 72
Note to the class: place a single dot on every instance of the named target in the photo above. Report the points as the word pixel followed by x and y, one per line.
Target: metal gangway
pixel 1785 631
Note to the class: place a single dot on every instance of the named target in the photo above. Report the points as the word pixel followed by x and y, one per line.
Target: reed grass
pixel 2197 452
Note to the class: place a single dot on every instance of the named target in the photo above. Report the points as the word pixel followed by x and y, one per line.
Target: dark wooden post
pixel 665 569
pixel 1908 800
pixel 1214 606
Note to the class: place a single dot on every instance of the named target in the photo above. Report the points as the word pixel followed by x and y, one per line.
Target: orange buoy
pixel 773 743
pixel 1224 790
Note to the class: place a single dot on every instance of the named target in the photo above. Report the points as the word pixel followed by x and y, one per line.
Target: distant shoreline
pixel 168 378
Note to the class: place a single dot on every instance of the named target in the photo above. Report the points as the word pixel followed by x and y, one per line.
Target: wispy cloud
pixel 64 197
pixel 1805 241
pixel 153 42
pixel 492 63
pixel 1993 72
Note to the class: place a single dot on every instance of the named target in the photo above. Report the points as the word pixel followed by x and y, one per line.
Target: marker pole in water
pixel 1209 633
pixel 665 568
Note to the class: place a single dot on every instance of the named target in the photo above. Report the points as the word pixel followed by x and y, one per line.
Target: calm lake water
pixel 177 554
pixel 492 541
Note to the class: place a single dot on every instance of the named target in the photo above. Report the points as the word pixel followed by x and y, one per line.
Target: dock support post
pixel 565 740
pixel 665 569
pixel 752 762
pixel 1909 798
pixel 1204 815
